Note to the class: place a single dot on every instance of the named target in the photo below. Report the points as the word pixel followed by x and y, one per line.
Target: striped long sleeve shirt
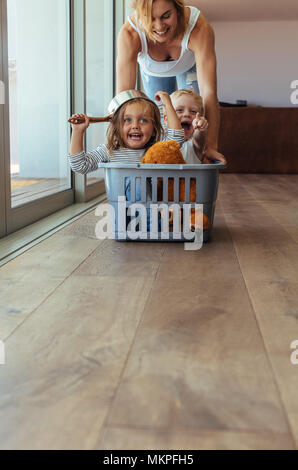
pixel 85 162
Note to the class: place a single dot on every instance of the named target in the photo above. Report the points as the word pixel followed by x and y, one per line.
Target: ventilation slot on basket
pixel 148 190
pixel 165 189
pixel 127 191
pixel 132 189
pixel 170 189
pixel 187 189
pixel 138 188
pixel 159 189
pixel 193 190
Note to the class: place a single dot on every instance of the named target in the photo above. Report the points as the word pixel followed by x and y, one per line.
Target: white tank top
pixel 173 67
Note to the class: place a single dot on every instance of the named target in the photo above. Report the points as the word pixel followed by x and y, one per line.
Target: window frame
pixel 15 218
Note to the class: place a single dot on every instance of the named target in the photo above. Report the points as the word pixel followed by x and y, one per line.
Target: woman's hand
pixel 82 126
pixel 211 155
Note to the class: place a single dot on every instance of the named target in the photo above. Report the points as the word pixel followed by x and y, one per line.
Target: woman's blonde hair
pixel 114 132
pixel 143 11
pixel 189 92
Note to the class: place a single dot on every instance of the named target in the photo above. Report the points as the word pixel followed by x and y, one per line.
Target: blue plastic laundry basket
pixel 143 179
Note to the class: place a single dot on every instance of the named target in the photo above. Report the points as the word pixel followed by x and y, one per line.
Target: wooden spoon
pixel 80 120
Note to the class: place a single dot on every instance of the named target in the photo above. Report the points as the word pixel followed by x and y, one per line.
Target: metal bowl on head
pixel 124 97
pixel 114 106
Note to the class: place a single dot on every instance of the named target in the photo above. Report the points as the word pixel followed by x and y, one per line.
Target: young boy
pixel 189 108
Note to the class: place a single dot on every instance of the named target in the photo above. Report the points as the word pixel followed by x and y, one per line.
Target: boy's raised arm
pixel 173 122
pixel 200 125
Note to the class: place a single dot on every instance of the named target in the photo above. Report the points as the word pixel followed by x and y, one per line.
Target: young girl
pixel 133 129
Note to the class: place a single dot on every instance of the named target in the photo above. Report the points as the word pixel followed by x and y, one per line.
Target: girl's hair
pixel 143 11
pixel 114 132
pixel 189 92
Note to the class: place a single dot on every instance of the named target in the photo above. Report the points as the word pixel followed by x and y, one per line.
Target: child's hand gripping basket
pixel 141 213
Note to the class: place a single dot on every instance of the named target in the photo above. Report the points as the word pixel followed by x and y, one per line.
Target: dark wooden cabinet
pixel 259 140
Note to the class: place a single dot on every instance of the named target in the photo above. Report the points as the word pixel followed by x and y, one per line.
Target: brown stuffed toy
pixel 163 153
pixel 168 152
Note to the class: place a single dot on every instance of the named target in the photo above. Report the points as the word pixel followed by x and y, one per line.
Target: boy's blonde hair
pixel 143 11
pixel 194 95
pixel 114 132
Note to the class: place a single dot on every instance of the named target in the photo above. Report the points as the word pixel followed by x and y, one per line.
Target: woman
pixel 171 40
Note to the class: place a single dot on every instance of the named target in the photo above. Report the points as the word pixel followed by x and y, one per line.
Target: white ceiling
pixel 248 10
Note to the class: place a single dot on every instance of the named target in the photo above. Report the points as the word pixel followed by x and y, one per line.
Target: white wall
pixel 256 61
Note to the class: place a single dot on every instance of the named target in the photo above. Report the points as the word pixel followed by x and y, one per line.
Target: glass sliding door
pixel 56 57
pixel 2 148
pixel 39 97
pixel 36 73
pixel 99 71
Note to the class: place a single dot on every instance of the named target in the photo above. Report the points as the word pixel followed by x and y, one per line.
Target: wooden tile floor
pixel 146 346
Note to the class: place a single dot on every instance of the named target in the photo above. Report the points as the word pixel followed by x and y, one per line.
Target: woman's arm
pixel 202 43
pixel 129 45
